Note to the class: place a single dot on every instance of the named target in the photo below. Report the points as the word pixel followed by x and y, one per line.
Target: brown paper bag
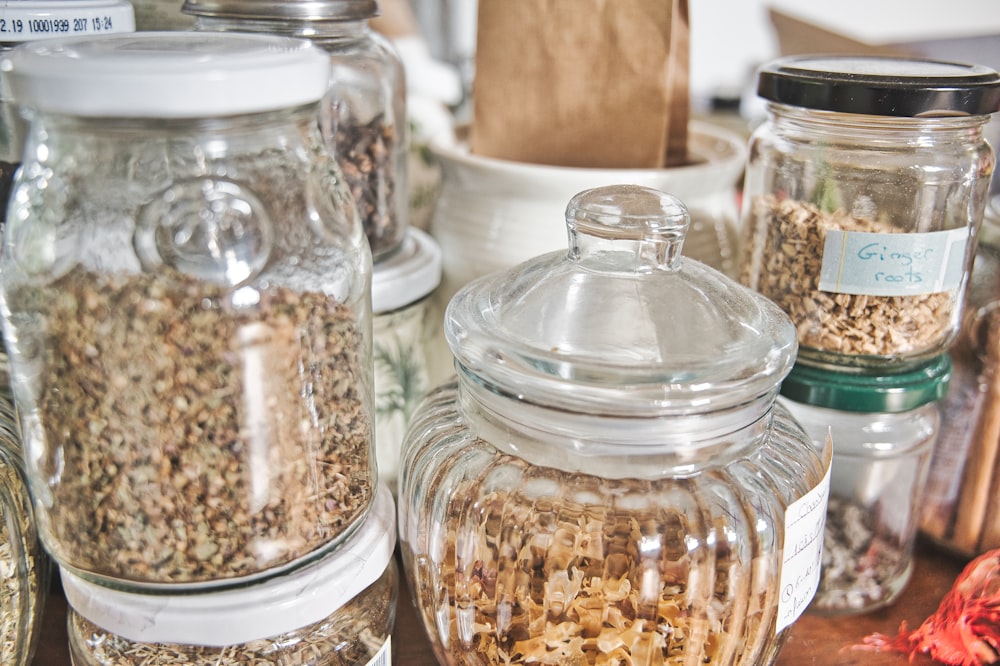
pixel 584 83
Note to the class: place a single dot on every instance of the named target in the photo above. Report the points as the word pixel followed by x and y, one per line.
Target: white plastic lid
pixel 28 20
pixel 229 617
pixel 170 74
pixel 411 273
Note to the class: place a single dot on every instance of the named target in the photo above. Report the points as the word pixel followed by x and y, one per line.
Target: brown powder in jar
pixel 193 440
pixel 788 236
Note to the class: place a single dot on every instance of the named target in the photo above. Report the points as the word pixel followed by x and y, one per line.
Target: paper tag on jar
pixel 805 520
pixel 878 264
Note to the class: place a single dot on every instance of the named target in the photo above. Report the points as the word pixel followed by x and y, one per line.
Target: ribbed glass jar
pixel 186 304
pixel 864 190
pixel 608 480
pixel 364 118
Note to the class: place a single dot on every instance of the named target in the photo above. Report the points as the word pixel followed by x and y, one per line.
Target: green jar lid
pixel 853 392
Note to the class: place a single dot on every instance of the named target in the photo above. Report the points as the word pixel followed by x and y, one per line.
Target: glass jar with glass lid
pixel 609 478
pixel 364 118
pixel 186 304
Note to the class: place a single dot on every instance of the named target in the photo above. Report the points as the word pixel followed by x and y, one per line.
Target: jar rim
pixel 881 85
pixel 303 10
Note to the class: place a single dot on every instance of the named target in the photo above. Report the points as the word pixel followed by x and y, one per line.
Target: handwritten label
pixel 805 520
pixel 869 264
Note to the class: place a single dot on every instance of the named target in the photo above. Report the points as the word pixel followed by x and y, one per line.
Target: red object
pixel 965 629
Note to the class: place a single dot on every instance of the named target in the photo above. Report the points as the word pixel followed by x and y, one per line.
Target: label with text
pixel 873 264
pixel 805 520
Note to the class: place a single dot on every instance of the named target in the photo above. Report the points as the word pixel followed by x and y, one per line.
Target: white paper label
pixel 873 264
pixel 384 656
pixel 805 520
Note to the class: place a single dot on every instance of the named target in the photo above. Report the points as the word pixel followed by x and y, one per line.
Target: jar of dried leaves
pixel 884 428
pixel 24 566
pixel 338 611
pixel 864 190
pixel 186 290
pixel 364 118
pixel 609 480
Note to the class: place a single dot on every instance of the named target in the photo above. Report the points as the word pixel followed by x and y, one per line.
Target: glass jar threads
pixel 186 293
pixel 864 192
pixel 364 119
pixel 597 489
pixel 884 428
pixel 339 610
pixel 30 20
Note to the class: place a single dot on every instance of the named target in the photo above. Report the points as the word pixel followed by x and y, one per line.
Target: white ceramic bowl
pixel 492 214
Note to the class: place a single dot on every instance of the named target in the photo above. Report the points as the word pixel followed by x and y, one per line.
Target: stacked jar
pixel 864 194
pixel 612 489
pixel 186 296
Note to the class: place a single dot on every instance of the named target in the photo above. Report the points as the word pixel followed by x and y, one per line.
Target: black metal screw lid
pixel 881 85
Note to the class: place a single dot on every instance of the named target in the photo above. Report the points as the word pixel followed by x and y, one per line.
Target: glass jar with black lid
pixel 864 193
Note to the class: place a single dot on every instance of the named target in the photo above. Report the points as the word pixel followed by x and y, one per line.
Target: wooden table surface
pixel 814 641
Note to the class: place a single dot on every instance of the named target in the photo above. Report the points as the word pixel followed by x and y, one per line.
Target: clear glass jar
pixel 161 15
pixel 962 509
pixel 365 118
pixel 338 611
pixel 609 480
pixel 883 428
pixel 864 190
pixel 186 302
pixel 24 565
pixel 407 335
pixel 30 20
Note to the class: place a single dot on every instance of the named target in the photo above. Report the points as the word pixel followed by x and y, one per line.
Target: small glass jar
pixel 30 20
pixel 962 508
pixel 864 190
pixel 186 299
pixel 24 565
pixel 609 480
pixel 364 119
pixel 407 335
pixel 337 611
pixel 883 429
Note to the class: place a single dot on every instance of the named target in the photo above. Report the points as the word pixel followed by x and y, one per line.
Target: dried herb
pixel 366 153
pixel 564 581
pixel 789 237
pixel 862 566
pixel 351 636
pixel 191 437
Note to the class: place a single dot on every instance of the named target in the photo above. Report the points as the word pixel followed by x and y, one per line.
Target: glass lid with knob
pixel 622 324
